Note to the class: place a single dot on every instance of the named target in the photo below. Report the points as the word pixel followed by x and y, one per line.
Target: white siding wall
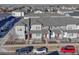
pixel 36 35
pixel 36 27
pixel 77 26
pixel 53 35
pixel 72 35
pixel 65 35
pixel 19 30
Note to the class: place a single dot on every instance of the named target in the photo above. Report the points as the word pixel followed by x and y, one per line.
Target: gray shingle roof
pixel 54 21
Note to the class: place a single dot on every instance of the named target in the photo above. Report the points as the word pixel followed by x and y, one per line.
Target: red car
pixel 68 49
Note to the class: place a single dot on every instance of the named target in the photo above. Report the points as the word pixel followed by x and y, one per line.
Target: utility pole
pixel 50 32
pixel 29 29
pixel 25 32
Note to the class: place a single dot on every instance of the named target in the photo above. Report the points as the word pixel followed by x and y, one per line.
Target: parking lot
pixel 51 48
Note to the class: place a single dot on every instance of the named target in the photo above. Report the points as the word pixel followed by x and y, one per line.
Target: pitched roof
pixel 54 21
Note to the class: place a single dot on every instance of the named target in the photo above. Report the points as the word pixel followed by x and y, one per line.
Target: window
pixel 19 29
pixel 37 27
pixel 69 28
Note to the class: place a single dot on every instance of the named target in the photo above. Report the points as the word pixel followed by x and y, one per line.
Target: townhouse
pixel 50 28
pixel 22 29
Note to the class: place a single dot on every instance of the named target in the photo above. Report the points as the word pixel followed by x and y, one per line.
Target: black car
pixel 24 50
pixel 53 53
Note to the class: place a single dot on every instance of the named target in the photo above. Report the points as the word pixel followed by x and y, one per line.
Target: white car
pixel 41 50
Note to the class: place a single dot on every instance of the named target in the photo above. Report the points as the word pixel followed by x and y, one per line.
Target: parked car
pixel 53 53
pixel 41 50
pixel 24 50
pixel 68 49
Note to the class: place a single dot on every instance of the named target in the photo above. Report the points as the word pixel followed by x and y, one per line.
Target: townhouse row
pixel 39 31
